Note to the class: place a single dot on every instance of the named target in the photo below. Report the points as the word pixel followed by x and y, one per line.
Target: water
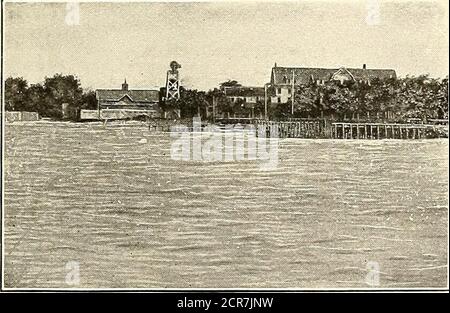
pixel 133 217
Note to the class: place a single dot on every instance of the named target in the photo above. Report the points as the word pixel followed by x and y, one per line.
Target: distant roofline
pixel 135 95
pixel 119 89
pixel 332 68
pixel 244 87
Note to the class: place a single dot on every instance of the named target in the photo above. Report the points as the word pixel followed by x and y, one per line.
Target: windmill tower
pixel 173 82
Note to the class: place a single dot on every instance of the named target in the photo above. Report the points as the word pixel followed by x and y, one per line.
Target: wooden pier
pixel 324 128
pixel 321 128
pixel 380 131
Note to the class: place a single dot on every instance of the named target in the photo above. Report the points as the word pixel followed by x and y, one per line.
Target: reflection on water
pixel 132 217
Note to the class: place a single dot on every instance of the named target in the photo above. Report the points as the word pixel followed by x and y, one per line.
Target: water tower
pixel 173 82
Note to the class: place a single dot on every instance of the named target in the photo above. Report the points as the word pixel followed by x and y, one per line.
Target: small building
pixel 283 79
pixel 248 98
pixel 246 94
pixel 126 103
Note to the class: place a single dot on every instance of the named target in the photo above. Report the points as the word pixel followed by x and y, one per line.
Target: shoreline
pixel 283 129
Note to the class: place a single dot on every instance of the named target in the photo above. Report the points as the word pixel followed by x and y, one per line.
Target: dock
pixel 322 128
pixel 383 130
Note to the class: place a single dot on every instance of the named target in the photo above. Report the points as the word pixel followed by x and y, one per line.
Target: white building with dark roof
pixel 283 79
pixel 244 93
pixel 128 102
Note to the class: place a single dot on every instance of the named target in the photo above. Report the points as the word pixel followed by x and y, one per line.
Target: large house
pixel 126 103
pixel 284 78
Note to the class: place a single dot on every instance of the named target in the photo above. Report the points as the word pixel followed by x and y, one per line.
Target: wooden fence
pixel 305 128
pixel 13 116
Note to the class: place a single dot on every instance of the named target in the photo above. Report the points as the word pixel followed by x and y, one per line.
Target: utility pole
pixel 265 101
pixel 293 92
pixel 214 109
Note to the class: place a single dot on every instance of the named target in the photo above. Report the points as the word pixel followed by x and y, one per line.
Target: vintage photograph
pixel 286 145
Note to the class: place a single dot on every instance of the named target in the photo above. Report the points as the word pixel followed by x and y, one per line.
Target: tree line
pixel 47 97
pixel 398 99
pixel 395 99
pixel 410 97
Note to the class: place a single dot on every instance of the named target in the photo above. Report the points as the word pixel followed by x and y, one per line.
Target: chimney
pixel 364 66
pixel 125 85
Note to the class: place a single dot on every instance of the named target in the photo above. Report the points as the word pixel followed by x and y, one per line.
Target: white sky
pixel 221 40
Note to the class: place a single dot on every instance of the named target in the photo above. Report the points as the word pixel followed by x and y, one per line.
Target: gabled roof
pixel 244 91
pixel 126 96
pixel 370 74
pixel 134 95
pixel 305 75
pixel 343 72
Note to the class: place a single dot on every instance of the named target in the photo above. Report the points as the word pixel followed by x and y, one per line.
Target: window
pixel 279 90
pixel 279 100
pixel 289 91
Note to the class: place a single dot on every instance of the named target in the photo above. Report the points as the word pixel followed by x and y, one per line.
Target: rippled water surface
pixel 112 199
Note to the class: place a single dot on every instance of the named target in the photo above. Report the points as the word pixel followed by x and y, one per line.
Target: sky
pixel 217 41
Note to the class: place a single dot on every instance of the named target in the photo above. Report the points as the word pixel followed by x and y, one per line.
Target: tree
pixel 36 94
pixel 380 96
pixel 88 100
pixel 239 108
pixel 170 106
pixel 259 108
pixel 420 97
pixel 223 105
pixel 229 83
pixel 16 94
pixel 340 98
pixel 306 100
pixel 47 98
pixel 61 89
pixel 191 103
pixel 442 96
pixel 280 110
